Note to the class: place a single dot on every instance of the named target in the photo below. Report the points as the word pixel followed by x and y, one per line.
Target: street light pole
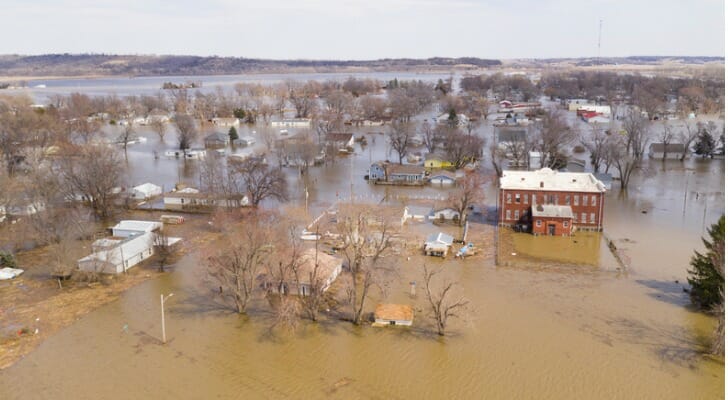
pixel 162 299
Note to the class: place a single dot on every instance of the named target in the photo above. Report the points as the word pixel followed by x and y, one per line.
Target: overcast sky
pixel 348 29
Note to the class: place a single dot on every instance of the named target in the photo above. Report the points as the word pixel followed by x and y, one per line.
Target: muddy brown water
pixel 551 331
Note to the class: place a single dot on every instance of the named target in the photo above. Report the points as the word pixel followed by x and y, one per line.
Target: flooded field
pixel 558 320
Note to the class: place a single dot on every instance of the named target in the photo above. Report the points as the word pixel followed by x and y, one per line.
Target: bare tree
pixel 94 173
pixel 552 134
pixel 443 306
pixel 687 137
pixel 626 152
pixel 429 136
pixel 165 250
pixel 596 144
pixel 159 127
pixel 367 235
pixel 461 149
pixel 127 134
pixel 186 130
pixel 259 181
pixel 666 136
pixel 469 192
pixel 400 136
pixel 234 262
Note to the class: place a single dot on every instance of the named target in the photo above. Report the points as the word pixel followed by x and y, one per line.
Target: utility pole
pixel 599 42
pixel 162 299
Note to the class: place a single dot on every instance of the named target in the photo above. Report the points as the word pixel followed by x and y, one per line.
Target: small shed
pixel 438 244
pixel 393 314
pixel 552 220
pixel 145 191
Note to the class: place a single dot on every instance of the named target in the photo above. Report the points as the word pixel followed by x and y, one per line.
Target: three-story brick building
pixel 580 192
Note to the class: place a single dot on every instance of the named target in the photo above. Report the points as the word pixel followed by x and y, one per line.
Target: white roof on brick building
pixel 546 179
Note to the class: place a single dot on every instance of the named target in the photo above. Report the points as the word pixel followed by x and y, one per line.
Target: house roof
pixel 551 210
pixel 140 226
pixel 405 169
pixel 147 187
pixel 546 179
pixel 217 136
pixel 508 134
pixel 434 156
pixel 670 148
pixel 418 210
pixel 394 312
pixel 307 261
pixel 338 137
pixel 439 238
pixel 130 247
pixel 446 174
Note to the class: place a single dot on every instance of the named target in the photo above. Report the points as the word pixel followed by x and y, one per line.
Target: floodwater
pixel 572 326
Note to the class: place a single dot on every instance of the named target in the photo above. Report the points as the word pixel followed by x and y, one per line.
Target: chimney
pixel 541 184
pixel 573 180
pixel 523 179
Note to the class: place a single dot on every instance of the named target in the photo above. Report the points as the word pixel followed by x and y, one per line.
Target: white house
pixel 145 191
pixel 292 122
pixel 128 228
pixel 329 268
pixel 438 244
pixel 442 178
pixel 416 213
pixel 444 214
pixel 225 121
pixel 116 255
pixel 192 199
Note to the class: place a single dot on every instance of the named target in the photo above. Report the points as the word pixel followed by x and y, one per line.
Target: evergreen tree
pixel 706 275
pixel 706 144
pixel 233 133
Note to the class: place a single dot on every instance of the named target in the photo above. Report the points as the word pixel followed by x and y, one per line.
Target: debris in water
pixel 513 254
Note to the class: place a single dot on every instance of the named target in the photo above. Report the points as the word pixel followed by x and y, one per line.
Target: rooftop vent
pixel 541 184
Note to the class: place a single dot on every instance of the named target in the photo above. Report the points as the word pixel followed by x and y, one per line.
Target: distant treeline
pixel 149 65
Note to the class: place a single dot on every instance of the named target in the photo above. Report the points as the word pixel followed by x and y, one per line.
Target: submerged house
pixel 216 140
pixel 396 174
pixel 393 314
pixel 671 151
pixel 315 269
pixel 436 161
pixel 145 191
pixel 438 244
pixel 191 199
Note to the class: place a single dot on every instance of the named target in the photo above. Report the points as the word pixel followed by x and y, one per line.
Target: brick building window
pixel 592 218
pixel 576 200
pixel 567 200
pixel 583 218
pixel 594 200
pixel 508 215
pixel 538 223
pixel 508 198
pixel 533 199
pixel 566 224
pixel 517 215
pixel 525 198
pixel 518 198
pixel 584 200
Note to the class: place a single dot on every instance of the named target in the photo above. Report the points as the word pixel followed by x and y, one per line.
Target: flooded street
pixel 575 326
